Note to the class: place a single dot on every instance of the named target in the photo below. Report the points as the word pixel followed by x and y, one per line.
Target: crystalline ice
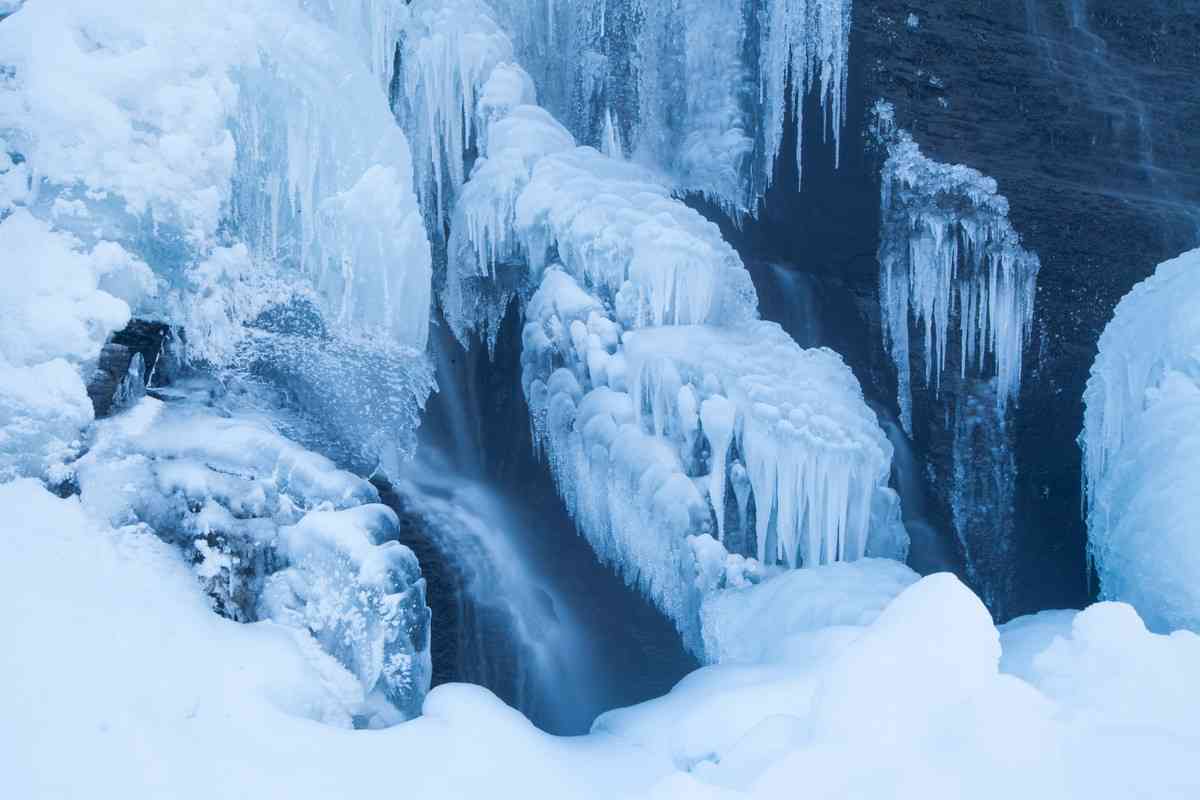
pixel 950 258
pixel 1141 448
pixel 266 163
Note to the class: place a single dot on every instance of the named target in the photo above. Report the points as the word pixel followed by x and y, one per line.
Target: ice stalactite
pixel 949 258
pixel 691 84
pixel 805 47
pixel 1141 447
pixel 449 50
pixel 701 458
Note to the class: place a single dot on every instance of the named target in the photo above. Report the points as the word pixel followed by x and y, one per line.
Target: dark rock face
pixel 110 384
pixel 1085 112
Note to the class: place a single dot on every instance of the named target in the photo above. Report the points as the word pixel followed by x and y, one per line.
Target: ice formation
pixel 695 446
pixel 265 164
pixel 1141 447
pixel 950 258
pixel 700 89
pixel 694 456
pixel 274 531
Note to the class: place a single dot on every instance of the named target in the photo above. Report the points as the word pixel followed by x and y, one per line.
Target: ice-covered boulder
pixel 1141 446
pixel 272 530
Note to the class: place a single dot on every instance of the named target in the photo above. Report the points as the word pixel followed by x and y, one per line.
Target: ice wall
pixel 697 88
pixel 204 162
pixel 950 261
pixel 1141 447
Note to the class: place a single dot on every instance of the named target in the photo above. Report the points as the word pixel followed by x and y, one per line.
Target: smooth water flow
pixel 520 603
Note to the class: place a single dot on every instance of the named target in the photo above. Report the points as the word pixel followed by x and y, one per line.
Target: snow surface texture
pixel 263 165
pixel 948 258
pixel 898 698
pixel 1141 444
pixel 274 531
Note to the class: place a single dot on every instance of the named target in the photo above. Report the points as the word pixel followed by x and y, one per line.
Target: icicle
pixel 949 255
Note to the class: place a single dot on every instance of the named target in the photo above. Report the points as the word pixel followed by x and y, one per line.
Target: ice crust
pixel 273 531
pixel 1141 448
pixel 950 259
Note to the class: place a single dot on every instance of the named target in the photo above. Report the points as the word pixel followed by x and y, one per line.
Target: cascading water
pixel 520 604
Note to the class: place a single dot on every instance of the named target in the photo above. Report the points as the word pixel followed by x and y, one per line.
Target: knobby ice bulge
pixel 402 389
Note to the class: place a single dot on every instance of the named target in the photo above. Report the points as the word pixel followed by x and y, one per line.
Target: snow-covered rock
pixel 1141 445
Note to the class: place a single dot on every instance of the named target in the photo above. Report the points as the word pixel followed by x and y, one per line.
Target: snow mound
pixel 172 689
pixel 274 531
pixel 1141 445
pixel 949 258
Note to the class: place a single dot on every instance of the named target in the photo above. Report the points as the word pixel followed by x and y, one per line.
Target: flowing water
pixel 520 604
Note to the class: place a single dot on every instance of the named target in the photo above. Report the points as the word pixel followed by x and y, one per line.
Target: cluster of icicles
pixel 948 253
pixel 696 446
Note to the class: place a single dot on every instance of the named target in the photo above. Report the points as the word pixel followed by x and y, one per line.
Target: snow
pixel 185 690
pixel 890 697
pixel 949 258
pixel 1141 448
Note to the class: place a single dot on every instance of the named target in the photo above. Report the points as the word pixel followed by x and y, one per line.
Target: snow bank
pixel 1141 445
pixel 169 689
pixel 949 258
pixel 909 702
pixel 274 531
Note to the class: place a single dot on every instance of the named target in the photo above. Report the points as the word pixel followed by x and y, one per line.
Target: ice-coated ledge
pixel 696 447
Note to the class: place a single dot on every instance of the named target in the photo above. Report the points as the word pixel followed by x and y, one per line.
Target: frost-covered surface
pixel 1141 444
pixel 199 163
pixel 274 531
pixel 950 260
